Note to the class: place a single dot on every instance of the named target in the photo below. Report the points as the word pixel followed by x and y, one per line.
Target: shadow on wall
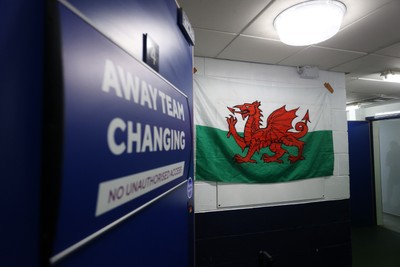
pixel 391 181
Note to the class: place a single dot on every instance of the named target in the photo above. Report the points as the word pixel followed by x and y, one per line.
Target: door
pixel 361 178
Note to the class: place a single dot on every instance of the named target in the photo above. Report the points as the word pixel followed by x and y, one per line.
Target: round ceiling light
pixel 310 22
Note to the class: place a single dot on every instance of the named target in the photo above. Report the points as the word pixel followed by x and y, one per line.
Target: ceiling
pixel 367 44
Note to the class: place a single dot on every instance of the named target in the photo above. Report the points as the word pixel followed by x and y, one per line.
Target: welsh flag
pixel 261 132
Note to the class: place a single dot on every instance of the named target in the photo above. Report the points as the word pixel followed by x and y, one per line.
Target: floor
pixel 391 222
pixel 376 246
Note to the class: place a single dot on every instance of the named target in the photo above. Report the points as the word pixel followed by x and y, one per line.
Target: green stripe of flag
pixel 214 159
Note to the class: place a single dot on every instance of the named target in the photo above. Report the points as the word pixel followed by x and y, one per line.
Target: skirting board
pixel 236 195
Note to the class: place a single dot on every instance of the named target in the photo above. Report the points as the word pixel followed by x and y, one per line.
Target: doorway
pixel 386 142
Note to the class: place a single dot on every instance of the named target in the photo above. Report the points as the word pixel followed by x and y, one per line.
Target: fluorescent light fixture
pixel 391 76
pixel 386 76
pixel 310 22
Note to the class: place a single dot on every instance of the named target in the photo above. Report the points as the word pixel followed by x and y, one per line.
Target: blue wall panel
pixel 125 21
pixel 155 237
pixel 21 72
pixel 312 234
pixel 92 34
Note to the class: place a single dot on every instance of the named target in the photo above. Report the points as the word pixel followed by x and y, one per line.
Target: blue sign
pixel 127 133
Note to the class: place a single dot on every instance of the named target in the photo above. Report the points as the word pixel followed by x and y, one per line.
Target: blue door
pixel 361 178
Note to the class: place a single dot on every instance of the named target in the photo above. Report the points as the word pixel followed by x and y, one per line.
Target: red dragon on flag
pixel 278 132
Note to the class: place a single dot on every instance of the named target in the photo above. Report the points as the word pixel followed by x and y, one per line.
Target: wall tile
pixel 339 120
pixel 337 187
pixel 205 196
pixel 340 142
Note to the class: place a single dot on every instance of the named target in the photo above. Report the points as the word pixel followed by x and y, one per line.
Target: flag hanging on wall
pixel 261 132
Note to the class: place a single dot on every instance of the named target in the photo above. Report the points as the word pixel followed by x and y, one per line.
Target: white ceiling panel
pixel 356 9
pixel 246 48
pixel 381 24
pixel 391 51
pixel 368 65
pixel 212 42
pixel 324 58
pixel 356 96
pixel 373 88
pixel 368 42
pixel 222 15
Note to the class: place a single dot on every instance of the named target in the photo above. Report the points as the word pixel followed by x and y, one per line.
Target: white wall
pixel 210 195
pixel 379 109
pixel 354 113
pixel 360 113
